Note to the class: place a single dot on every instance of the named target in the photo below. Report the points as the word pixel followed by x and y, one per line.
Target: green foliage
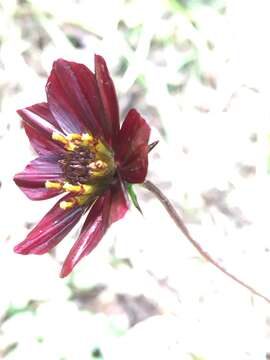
pixel 133 197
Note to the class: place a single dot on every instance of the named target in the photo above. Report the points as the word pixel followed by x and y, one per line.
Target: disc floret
pixel 88 166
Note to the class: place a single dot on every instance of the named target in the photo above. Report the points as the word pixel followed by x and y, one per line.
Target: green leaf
pixel 133 197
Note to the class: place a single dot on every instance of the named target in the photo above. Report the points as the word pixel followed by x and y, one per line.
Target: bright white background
pixel 198 71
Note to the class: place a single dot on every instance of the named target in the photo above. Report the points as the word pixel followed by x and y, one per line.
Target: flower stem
pixel 180 224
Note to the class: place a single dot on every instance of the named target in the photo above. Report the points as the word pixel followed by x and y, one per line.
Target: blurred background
pixel 198 71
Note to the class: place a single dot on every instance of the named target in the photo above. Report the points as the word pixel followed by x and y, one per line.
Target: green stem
pixel 180 224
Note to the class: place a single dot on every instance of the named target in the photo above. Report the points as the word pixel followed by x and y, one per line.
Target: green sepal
pixel 133 197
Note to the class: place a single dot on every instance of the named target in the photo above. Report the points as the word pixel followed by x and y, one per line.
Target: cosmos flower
pixel 84 155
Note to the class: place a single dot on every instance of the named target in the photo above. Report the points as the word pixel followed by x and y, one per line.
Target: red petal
pixel 32 180
pixel 42 110
pixel 120 202
pixel 132 148
pixel 73 98
pixel 88 85
pixel 55 225
pixel 108 97
pixel 39 125
pixel 135 170
pixel 92 232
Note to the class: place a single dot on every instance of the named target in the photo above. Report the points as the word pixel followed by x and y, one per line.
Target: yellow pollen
pixel 101 164
pixel 81 188
pixel 98 165
pixel 87 137
pixel 74 137
pixel 53 185
pixel 65 205
pixel 77 200
pixel 72 188
pixel 74 140
pixel 58 137
pixel 71 146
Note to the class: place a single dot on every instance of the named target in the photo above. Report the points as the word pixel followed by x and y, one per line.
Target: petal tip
pixel 64 272
pixel 20 111
pixel 15 178
pixel 101 65
pixel 99 58
pixel 55 65
pixel 59 61
pixel 19 249
pixel 133 111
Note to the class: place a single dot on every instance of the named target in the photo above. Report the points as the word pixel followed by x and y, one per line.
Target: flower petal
pixel 119 203
pixel 55 225
pixel 39 125
pixel 87 81
pixel 92 232
pixel 108 97
pixel 135 169
pixel 32 179
pixel 68 97
pixel 132 148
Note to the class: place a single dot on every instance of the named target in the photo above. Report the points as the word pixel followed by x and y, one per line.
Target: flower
pixel 82 153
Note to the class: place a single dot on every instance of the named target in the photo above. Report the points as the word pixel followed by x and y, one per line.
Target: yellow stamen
pixel 58 137
pixel 71 146
pixel 65 205
pixel 53 185
pixel 101 165
pixel 74 137
pixel 103 150
pixel 72 188
pixel 98 165
pixel 78 167
pixel 77 200
pixel 88 189
pixel 81 188
pixel 87 137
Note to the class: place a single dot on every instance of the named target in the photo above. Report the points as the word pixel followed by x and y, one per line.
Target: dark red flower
pixel 82 153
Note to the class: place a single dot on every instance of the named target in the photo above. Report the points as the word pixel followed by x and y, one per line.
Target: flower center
pixel 77 165
pixel 88 167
